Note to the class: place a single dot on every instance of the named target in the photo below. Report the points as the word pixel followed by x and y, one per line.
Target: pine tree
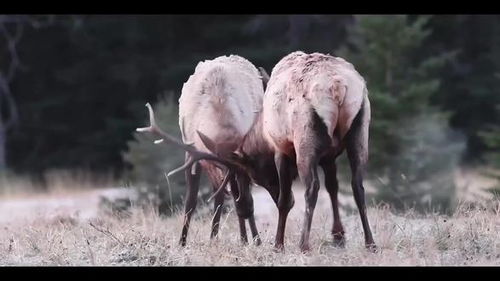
pixel 411 156
pixel 491 137
pixel 470 81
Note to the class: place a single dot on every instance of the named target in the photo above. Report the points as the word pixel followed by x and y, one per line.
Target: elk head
pixel 252 157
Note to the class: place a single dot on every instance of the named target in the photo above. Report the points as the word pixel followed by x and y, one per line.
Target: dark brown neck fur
pixel 255 143
pixel 259 159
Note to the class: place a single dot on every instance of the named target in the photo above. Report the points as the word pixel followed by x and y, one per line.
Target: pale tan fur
pixel 221 100
pixel 302 82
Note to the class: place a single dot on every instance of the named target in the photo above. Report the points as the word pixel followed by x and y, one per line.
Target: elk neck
pixel 255 144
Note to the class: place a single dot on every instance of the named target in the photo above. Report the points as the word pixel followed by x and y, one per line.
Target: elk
pixel 315 107
pixel 219 101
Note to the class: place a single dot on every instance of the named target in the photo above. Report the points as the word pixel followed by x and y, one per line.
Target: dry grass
pixel 469 237
pixel 64 227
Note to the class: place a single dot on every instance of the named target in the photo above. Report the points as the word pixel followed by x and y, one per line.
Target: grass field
pixel 55 231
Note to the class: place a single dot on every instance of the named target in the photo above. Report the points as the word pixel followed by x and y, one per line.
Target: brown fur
pixel 315 106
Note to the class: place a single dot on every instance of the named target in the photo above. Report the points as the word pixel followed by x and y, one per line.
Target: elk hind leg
pixel 306 166
pixel 332 186
pixel 357 152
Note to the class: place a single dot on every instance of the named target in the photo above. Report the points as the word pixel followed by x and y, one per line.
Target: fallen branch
pixel 107 233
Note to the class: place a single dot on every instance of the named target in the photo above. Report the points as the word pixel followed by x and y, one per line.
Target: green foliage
pixel 410 149
pixel 491 138
pixel 150 162
pixel 469 82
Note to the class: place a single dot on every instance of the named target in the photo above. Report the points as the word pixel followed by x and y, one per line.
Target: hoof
pixel 279 248
pixel 372 248
pixel 182 242
pixel 305 248
pixel 244 240
pixel 257 241
pixel 213 235
pixel 339 240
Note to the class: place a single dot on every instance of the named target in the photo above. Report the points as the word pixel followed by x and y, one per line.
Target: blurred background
pixel 73 89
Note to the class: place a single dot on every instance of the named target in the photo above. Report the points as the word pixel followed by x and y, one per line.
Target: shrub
pixel 150 162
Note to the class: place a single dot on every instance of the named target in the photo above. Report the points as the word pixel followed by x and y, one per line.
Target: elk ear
pixel 210 144
pixel 265 76
pixel 233 156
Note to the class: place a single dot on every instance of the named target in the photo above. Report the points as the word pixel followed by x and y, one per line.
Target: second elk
pixel 315 107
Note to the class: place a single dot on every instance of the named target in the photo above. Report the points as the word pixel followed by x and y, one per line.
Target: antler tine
pixel 151 120
pixel 153 128
pixel 221 187
pixel 191 160
pixel 195 155
pixel 181 168
pixel 239 193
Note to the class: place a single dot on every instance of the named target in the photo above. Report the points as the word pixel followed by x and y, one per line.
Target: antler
pixel 153 128
pixel 194 154
pixel 228 175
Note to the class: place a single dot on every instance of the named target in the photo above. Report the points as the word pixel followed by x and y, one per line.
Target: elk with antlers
pixel 220 102
pixel 315 107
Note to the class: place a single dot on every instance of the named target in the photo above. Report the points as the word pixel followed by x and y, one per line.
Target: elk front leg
pixel 218 185
pixel 235 191
pixel 243 230
pixel 332 186
pixel 218 205
pixel 245 205
pixel 193 182
pixel 253 229
pixel 285 199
